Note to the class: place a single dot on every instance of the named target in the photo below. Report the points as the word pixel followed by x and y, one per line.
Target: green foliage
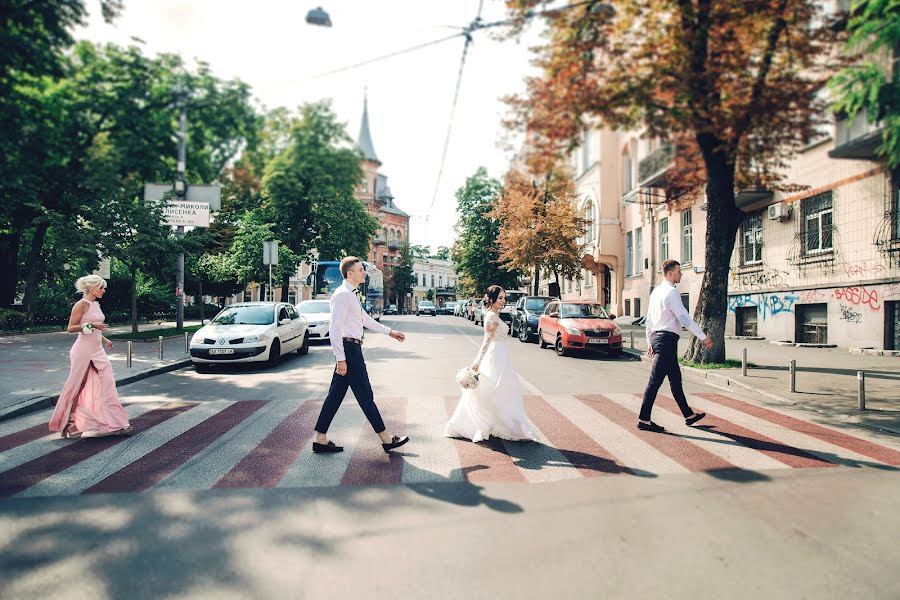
pixel 475 254
pixel 874 32
pixel 442 253
pixel 11 320
pixel 403 278
pixel 429 294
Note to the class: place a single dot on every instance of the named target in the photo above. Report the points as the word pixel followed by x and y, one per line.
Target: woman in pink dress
pixel 88 405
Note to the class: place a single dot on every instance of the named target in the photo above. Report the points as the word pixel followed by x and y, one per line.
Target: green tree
pixel 442 253
pixel 869 85
pixel 429 294
pixel 403 278
pixel 475 255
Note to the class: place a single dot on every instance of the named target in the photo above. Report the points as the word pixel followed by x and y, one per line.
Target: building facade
pixel 436 275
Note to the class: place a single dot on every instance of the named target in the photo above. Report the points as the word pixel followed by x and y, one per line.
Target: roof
pixel 364 141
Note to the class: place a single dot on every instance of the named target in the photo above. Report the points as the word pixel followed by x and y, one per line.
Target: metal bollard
pixel 744 362
pixel 631 333
pixel 160 347
pixel 187 343
pixel 793 375
pixel 861 389
pixel 130 347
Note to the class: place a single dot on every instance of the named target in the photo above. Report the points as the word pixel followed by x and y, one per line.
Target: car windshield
pixel 450 304
pixel 513 297
pixel 582 311
pixel 308 307
pixel 425 303
pixel 246 315
pixel 536 304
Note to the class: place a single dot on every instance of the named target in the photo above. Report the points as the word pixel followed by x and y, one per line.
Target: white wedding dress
pixel 494 407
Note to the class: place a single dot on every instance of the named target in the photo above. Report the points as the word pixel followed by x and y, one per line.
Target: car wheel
pixel 541 341
pixel 304 348
pixel 275 352
pixel 560 349
pixel 523 335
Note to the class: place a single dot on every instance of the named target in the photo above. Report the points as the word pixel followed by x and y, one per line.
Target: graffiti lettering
pixel 768 305
pixel 849 314
pixel 775 305
pixel 759 280
pixel 859 270
pixel 858 296
pixel 811 297
pixel 889 291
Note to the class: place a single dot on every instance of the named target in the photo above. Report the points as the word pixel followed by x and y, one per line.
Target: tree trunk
pixel 722 221
pixel 285 285
pixel 31 267
pixel 9 264
pixel 134 314
pixel 537 280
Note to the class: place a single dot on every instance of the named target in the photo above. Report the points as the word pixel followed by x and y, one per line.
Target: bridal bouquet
pixel 87 328
pixel 467 378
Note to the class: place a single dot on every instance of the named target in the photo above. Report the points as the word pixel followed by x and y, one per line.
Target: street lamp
pixel 318 16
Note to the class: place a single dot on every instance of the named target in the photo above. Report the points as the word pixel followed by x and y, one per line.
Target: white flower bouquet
pixel 87 328
pixel 467 378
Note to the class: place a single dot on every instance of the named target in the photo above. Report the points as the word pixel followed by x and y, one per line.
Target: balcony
pixel 856 139
pixel 393 245
pixel 445 291
pixel 378 241
pixel 652 169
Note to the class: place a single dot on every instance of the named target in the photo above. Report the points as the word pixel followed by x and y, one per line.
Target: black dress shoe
pixel 694 418
pixel 395 442
pixel 326 448
pixel 651 426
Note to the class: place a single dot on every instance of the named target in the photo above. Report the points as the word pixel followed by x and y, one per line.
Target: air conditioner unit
pixel 780 211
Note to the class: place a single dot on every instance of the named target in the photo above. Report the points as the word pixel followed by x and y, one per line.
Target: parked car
pixel 448 308
pixel 426 307
pixel 525 315
pixel 249 332
pixel 571 326
pixel 318 317
pixel 391 309
pixel 462 308
pixel 478 314
pixel 512 296
pixel 470 310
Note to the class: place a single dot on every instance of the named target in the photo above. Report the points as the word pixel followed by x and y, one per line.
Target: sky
pixel 268 44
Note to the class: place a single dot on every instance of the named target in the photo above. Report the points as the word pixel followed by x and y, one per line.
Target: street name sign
pixel 186 214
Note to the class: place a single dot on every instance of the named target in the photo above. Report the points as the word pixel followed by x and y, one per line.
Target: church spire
pixel 365 137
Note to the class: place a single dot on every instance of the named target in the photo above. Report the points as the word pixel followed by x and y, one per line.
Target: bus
pixel 326 277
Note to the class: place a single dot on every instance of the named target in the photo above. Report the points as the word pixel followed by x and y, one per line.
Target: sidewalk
pixel 826 378
pixel 34 367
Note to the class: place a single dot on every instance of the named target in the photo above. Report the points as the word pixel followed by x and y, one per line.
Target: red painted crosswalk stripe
pixel 267 463
pixel 581 450
pixel 836 438
pixel 25 436
pixel 369 463
pixel 150 469
pixel 33 472
pixel 485 461
pixel 789 455
pixel 685 453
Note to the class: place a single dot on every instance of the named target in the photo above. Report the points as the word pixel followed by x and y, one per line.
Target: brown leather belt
pixel 353 340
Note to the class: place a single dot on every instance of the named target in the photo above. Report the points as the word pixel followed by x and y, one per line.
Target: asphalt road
pixel 218 495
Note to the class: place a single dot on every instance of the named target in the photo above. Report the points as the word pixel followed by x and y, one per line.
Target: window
pixel 588 214
pixel 586 151
pixel 687 237
pixel 628 307
pixel 751 239
pixel 895 209
pixel 637 307
pixel 440 281
pixel 627 182
pixel 629 256
pixel 432 280
pixel 639 250
pixel 663 241
pixel 686 300
pixel 817 223
pixel 570 284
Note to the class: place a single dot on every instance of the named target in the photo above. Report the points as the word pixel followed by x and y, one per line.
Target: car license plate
pixel 600 341
pixel 221 351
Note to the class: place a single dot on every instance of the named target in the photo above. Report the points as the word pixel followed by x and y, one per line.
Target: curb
pixel 41 402
pixel 724 382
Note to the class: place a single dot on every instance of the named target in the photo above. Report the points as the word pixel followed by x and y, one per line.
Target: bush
pixel 11 320
pixel 193 311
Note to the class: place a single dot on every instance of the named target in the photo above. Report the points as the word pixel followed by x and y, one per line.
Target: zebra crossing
pixel 263 444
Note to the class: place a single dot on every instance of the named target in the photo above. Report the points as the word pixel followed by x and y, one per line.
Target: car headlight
pixel 196 338
pixel 617 331
pixel 256 338
pixel 573 330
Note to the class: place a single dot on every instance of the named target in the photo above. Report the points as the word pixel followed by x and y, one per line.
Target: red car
pixel 571 326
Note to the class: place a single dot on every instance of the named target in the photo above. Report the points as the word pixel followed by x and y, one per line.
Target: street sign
pixel 270 253
pixel 186 214
pixel 208 193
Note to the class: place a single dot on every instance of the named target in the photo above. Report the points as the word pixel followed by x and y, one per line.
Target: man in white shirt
pixel 346 332
pixel 665 316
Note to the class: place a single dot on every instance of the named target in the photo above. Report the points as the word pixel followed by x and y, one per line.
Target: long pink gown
pixel 89 400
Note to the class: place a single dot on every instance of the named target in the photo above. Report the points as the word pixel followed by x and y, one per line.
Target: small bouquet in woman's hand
pixel 467 378
pixel 87 328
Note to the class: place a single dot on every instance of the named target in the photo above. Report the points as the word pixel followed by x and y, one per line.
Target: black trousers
pixel 665 364
pixel 357 379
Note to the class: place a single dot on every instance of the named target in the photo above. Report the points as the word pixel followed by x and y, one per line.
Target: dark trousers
pixel 665 364
pixel 357 379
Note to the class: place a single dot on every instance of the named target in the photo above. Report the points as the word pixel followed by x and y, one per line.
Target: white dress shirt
pixel 666 312
pixel 348 319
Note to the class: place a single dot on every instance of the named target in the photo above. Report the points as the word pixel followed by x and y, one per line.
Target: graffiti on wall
pixel 767 305
pixel 863 269
pixel 812 297
pixel 760 280
pixel 859 296
pixel 891 290
pixel 849 314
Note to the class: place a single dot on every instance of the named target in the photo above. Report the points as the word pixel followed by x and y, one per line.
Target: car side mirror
pixel 206 321
pixel 284 322
pixel 612 316
pixel 553 315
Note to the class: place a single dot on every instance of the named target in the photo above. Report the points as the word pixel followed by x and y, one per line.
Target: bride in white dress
pixel 495 406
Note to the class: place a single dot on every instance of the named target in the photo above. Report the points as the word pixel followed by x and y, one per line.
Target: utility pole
pixel 180 192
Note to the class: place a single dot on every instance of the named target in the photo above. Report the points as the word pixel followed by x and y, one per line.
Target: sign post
pixel 270 257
